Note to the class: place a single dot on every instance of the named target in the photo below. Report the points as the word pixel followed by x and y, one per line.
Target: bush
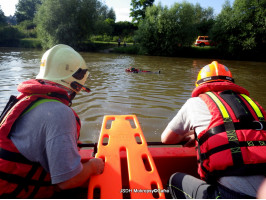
pixel 30 43
pixel 9 36
pixel 128 39
pixel 96 38
pixel 115 38
pixel 28 29
pixel 240 29
pixel 164 29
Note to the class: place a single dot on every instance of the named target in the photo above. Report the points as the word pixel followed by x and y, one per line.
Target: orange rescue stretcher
pixel 122 143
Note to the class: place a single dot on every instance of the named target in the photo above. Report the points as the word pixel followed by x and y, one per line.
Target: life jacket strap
pixel 255 125
pixel 23 182
pixel 238 105
pixel 233 141
pixel 59 96
pixel 11 102
pixel 14 157
pixel 224 147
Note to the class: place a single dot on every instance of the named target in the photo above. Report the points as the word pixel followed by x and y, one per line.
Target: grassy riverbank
pixel 30 43
pixel 130 48
pixel 22 43
pixel 199 52
pixel 36 44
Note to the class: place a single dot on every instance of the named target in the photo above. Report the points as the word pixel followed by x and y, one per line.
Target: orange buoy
pixel 129 170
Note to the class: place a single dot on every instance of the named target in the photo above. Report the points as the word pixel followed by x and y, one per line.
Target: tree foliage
pixel 105 22
pixel 111 14
pixel 2 18
pixel 204 19
pixel 104 27
pixel 67 21
pixel 105 13
pixel 241 28
pixel 11 20
pixel 26 9
pixel 124 29
pixel 138 9
pixel 165 29
pixel 9 36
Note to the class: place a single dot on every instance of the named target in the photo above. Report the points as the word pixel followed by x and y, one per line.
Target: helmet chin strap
pixel 72 96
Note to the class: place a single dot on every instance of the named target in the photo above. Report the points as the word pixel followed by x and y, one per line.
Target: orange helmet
pixel 214 72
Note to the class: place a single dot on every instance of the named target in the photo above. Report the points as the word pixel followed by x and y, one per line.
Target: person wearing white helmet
pixel 39 131
pixel 63 65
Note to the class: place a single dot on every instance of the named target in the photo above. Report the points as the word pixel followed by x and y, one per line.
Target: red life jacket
pixel 19 177
pixel 234 143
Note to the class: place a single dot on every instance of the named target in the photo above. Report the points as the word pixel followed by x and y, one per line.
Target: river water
pixel 154 98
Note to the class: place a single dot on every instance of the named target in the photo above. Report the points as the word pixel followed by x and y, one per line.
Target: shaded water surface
pixel 154 98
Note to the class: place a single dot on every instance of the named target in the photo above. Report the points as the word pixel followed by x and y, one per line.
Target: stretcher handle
pixel 94 145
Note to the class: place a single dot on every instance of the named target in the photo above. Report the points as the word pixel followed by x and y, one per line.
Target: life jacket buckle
pixel 261 126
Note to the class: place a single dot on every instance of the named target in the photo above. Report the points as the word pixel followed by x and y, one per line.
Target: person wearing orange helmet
pixel 229 130
pixel 39 131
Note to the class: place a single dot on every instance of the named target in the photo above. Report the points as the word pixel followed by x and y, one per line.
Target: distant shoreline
pixel 111 47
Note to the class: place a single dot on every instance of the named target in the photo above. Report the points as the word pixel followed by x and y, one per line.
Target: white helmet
pixel 63 65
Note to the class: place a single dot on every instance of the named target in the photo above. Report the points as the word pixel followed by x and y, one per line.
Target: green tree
pixel 111 14
pixel 204 19
pixel 9 36
pixel 104 27
pixel 26 9
pixel 66 21
pixel 2 18
pixel 124 29
pixel 138 9
pixel 105 13
pixel 11 20
pixel 241 29
pixel 105 22
pixel 164 30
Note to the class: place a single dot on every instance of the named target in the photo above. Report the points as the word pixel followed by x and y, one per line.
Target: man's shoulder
pixel 53 109
pixel 54 105
pixel 56 117
pixel 193 100
pixel 195 104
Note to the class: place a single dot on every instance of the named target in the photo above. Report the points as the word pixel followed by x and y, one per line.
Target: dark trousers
pixel 184 186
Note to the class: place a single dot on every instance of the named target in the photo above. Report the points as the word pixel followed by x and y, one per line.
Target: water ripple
pixel 153 98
